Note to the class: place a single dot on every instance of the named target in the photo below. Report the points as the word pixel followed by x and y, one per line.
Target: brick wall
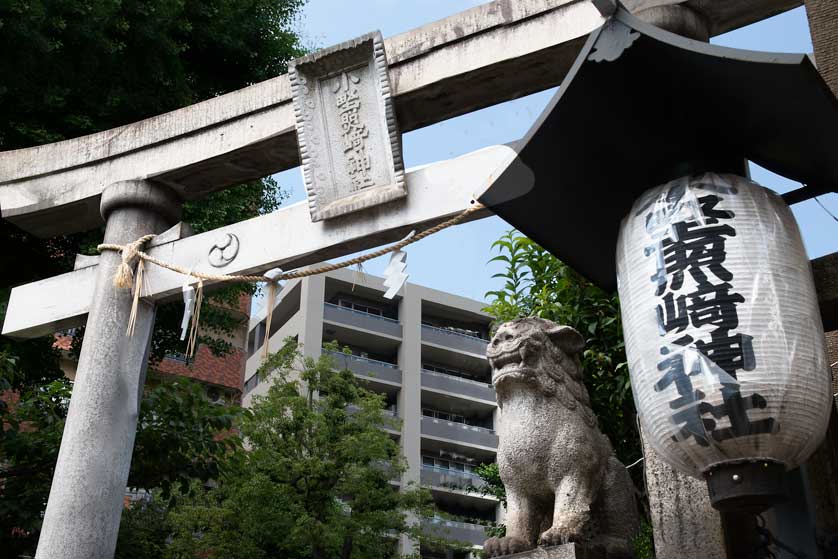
pixel 227 371
pixel 823 25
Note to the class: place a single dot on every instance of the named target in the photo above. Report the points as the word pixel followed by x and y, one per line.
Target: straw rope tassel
pixel 192 344
pixel 272 277
pixel 135 303
pixel 270 312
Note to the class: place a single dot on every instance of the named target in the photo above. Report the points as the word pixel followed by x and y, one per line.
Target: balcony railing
pixel 352 408
pixel 366 367
pixel 460 432
pixel 457 385
pixel 364 320
pixel 362 359
pixel 388 424
pixel 454 530
pixel 460 473
pixel 453 339
pixel 454 332
pixel 452 479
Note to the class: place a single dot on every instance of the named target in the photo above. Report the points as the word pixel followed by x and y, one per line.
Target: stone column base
pixel 567 551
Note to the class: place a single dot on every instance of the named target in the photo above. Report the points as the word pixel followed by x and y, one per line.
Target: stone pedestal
pixel 567 551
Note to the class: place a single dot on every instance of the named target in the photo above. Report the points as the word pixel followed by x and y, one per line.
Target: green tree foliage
pixel 75 67
pixel 492 485
pixel 315 480
pixel 538 284
pixel 644 543
pixel 181 436
pixel 144 528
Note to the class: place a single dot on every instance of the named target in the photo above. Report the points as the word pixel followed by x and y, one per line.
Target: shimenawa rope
pixel 131 254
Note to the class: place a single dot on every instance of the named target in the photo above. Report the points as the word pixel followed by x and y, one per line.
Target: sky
pixel 456 260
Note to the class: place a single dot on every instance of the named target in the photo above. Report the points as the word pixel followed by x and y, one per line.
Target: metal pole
pixel 88 487
pixel 741 538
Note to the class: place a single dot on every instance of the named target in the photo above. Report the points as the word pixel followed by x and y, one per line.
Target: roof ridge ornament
pixel 614 38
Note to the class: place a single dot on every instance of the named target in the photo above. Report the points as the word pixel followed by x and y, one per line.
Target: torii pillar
pixel 88 486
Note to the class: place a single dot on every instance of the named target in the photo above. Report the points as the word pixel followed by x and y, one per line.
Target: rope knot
pixel 124 277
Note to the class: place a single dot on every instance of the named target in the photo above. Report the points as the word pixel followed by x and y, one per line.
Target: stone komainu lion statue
pixel 563 482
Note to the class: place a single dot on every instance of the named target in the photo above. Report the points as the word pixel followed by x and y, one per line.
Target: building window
pixel 441 464
pixel 251 383
pixel 360 307
pixel 178 356
pixel 454 373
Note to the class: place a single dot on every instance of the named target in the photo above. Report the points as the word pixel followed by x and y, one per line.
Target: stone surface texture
pixel 825 270
pixel 822 474
pixel 679 19
pixel 684 524
pixel 822 467
pixel 823 23
pixel 562 479
pixel 88 487
pixel 566 551
pixel 350 145
pixel 832 353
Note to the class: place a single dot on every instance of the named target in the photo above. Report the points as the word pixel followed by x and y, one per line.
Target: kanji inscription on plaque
pixel 350 146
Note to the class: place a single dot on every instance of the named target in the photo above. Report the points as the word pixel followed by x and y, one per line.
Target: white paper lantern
pixel 723 334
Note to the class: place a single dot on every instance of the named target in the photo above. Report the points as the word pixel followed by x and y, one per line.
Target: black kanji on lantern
pixel 694 247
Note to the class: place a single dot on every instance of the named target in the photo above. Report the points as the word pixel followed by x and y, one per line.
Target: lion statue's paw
pixel 568 532
pixel 498 547
pixel 556 537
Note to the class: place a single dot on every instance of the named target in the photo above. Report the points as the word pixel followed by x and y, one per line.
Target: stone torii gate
pixel 135 178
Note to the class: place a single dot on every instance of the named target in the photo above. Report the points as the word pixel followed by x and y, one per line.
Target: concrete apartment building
pixel 425 352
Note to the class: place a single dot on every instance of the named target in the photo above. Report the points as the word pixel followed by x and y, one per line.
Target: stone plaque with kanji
pixel 350 146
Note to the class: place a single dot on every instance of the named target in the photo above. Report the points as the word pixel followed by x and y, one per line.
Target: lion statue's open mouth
pixel 563 482
pixel 507 363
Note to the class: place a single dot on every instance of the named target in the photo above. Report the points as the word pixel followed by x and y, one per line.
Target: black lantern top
pixel 642 106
